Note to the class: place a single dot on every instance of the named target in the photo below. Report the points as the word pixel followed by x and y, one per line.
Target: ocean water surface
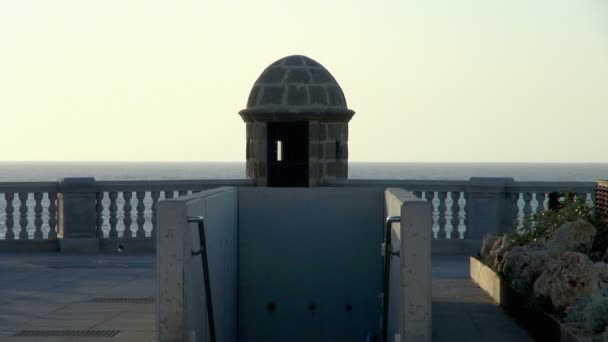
pixel 51 171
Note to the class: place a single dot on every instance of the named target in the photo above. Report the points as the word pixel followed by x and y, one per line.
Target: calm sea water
pixel 50 171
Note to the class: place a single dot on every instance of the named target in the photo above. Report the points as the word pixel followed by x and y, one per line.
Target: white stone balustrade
pixel 117 210
pixel 126 210
pixel 451 201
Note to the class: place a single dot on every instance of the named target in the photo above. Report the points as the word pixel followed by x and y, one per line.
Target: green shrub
pixel 544 225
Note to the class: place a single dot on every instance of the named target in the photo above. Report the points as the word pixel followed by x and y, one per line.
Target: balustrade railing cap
pixel 78 184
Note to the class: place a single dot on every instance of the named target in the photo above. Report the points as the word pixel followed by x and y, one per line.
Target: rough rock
pixel 524 264
pixel 600 279
pixel 597 314
pixel 567 280
pixel 596 256
pixel 601 269
pixel 487 245
pixel 574 236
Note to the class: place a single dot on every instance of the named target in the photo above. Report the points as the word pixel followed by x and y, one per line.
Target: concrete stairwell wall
pixel 181 309
pixel 410 277
pixel 310 267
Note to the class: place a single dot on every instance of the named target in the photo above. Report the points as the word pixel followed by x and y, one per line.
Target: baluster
pixel 113 219
pixel 168 194
pixel 182 193
pixel 540 199
pixel 455 195
pixel 10 222
pixel 99 213
pixel 23 235
pixel 465 214
pixel 52 216
pixel 141 233
pixel 418 194
pixel 127 233
pixel 527 209
pixel 38 216
pixel 429 195
pixel 155 196
pixel 514 210
pixel 442 220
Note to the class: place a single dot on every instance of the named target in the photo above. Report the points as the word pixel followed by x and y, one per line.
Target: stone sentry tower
pixel 297 125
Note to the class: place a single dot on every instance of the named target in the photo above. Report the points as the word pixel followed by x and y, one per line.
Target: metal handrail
pixel 388 254
pixel 203 253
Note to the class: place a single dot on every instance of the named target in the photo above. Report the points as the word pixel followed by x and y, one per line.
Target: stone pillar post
pixel 416 271
pixel 77 230
pixel 488 207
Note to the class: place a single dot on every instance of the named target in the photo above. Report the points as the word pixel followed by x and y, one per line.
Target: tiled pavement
pixel 53 291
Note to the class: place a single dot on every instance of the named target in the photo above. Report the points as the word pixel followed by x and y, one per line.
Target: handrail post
pixel 77 226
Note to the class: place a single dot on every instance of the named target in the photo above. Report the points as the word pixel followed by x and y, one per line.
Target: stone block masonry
pixel 297 89
pixel 328 149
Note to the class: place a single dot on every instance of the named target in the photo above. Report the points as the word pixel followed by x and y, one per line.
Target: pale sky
pixel 445 81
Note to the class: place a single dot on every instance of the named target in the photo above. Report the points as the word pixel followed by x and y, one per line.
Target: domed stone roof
pixel 297 85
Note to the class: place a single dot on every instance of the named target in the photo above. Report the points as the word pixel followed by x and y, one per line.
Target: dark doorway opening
pixel 288 154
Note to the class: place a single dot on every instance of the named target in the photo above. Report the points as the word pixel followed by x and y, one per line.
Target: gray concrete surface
pixel 315 255
pixel 464 312
pixel 50 291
